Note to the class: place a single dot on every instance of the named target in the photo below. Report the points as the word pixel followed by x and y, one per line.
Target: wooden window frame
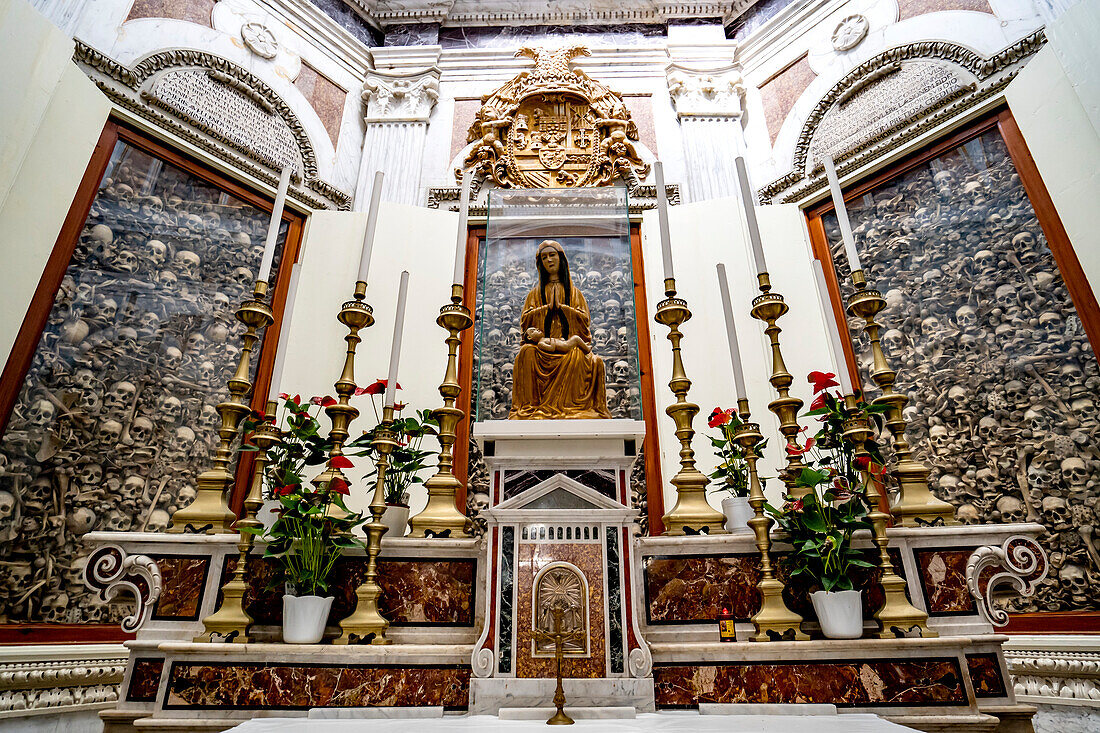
pixel 654 484
pixel 1065 258
pixel 35 320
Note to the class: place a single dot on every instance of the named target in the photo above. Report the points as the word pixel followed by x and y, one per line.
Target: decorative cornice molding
pixel 641 198
pixel 123 85
pixel 1055 676
pixel 993 74
pixel 471 13
pixel 33 678
pixel 400 96
pixel 708 93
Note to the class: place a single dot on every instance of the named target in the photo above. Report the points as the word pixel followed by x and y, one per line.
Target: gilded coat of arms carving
pixel 554 127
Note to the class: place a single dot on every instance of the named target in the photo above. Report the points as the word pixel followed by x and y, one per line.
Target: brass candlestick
pixel 440 517
pixel 774 619
pixel 231 622
pixel 366 621
pixel 356 315
pixel 692 511
pixel 897 615
pixel 210 512
pixel 769 307
pixel 915 505
pixel 559 638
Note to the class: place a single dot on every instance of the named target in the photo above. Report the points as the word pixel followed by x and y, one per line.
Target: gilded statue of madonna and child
pixel 556 375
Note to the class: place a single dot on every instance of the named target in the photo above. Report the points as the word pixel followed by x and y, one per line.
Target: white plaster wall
pixel 408 238
pixel 703 234
pixel 50 121
pixel 1064 144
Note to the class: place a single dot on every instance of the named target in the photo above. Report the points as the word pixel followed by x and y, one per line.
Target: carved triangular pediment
pixel 560 492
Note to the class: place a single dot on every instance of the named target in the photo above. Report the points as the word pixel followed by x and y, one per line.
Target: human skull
pixel 7 505
pixel 195 344
pixel 1038 477
pixel 185 496
pixel 967 514
pixel 601 339
pixel 119 397
pixel 184 440
pixel 169 408
pixel 497 280
pixel 987 428
pixel 621 371
pixel 1075 581
pixel 894 341
pixel 106 309
pixel 930 327
pixel 156 253
pixel 133 487
pixel 1072 376
pixel 167 280
pixel 1074 473
pixel 1005 297
pixel 242 276
pixel 119 521
pixel 1024 241
pixel 108 432
pixel 205 372
pixel 1015 392
pixel 1035 420
pixel 1011 509
pixel 985 261
pixel 40 414
pixel 939 438
pixel 149 325
pixel 187 264
pixel 173 357
pixel 958 398
pixel 55 607
pixel 966 317
pixel 80 521
pixel 89 475
pixel 951 485
pixel 933 278
pixel 158 521
pixel 125 261
pixel 987 481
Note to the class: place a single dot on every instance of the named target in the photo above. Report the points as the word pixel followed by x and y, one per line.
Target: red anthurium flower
pixel 794 506
pixel 399 406
pixel 360 391
pixel 284 490
pixel 377 388
pixel 818 402
pixel 314 400
pixel 340 462
pixel 794 450
pixel 823 380
pixel 297 399
pixel 719 417
pixel 861 462
pixel 283 396
pixel 327 401
pixel 338 486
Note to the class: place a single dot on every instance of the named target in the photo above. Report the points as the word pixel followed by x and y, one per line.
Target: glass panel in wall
pixel 115 417
pixel 593 231
pixel 1001 377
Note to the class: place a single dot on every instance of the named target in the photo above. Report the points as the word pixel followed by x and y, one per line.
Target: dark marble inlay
pixel 943 580
pixel 183 580
pixel 414 592
pixel 515 482
pixel 412 34
pixel 614 602
pixel 912 682
pixel 206 686
pixel 145 680
pixel 507 579
pixel 985 674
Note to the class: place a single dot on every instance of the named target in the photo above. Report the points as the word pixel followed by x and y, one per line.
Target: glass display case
pixel 555 329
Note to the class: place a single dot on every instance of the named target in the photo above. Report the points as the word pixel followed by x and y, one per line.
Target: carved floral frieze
pixel 706 93
pixel 390 97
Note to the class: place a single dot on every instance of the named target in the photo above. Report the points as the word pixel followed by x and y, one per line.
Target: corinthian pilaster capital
pixel 706 92
pixel 392 96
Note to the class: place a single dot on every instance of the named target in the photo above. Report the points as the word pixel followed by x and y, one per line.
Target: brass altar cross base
pixel 769 307
pixel 897 615
pixel 915 504
pixel 210 512
pixel 440 517
pixel 774 621
pixel 231 622
pixel 692 513
pixel 366 622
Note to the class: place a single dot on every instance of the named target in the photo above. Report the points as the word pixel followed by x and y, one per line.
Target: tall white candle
pixel 463 213
pixel 284 331
pixel 841 214
pixel 273 226
pixel 372 225
pixel 395 348
pixel 731 334
pixel 662 218
pixel 748 203
pixel 836 344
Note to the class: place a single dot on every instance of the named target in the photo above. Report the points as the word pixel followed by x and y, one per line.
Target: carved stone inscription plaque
pixel 220 110
pixel 882 106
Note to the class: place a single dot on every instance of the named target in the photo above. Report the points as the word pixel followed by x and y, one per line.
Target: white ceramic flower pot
pixel 397 519
pixel 840 613
pixel 738 513
pixel 304 618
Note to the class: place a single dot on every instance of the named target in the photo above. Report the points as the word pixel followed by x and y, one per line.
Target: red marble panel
pixel 194 11
pixel 847 683
pixel 532 558
pixel 414 592
pixel 913 8
pixel 183 581
pixel 943 580
pixel 145 680
pixel 201 686
pixel 779 93
pixel 325 96
pixel 985 674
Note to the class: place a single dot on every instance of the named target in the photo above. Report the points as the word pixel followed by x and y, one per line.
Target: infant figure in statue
pixel 556 346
